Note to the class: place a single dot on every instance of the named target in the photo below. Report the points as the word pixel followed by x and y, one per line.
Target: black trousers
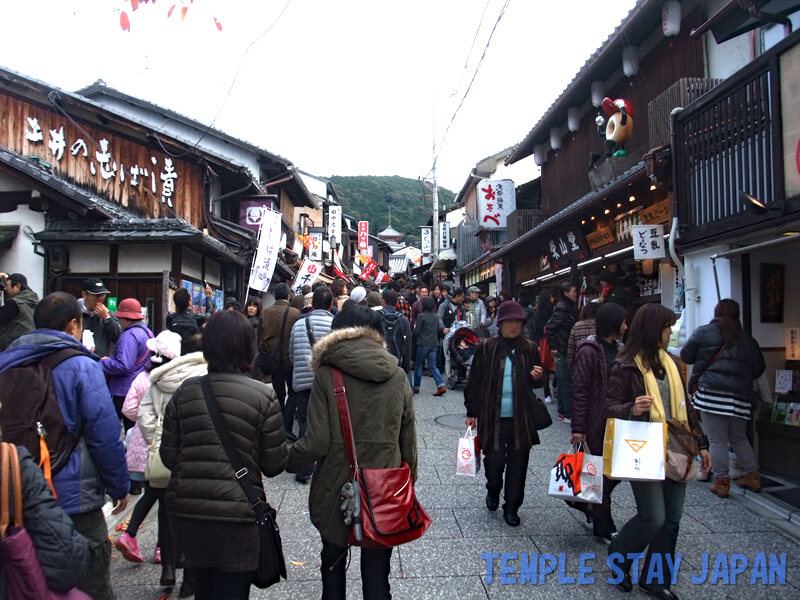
pixel 375 568
pixel 515 464
pixel 281 381
pixel 603 523
pixel 222 585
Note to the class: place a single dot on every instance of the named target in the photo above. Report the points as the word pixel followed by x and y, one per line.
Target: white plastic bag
pixel 589 480
pixel 468 460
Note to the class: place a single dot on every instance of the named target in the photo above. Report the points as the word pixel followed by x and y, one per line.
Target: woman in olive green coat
pixel 382 417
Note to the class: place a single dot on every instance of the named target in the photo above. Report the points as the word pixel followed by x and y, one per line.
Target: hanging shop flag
pixel 337 265
pixel 648 242
pixel 427 243
pixel 334 223
pixel 315 245
pixel 305 276
pixel 369 269
pixel 252 211
pixel 269 240
pixel 363 235
pixel 356 269
pixel 381 277
pixel 496 200
pixel 444 235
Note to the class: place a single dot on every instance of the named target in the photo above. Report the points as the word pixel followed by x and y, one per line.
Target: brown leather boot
pixel 440 391
pixel 721 487
pixel 751 481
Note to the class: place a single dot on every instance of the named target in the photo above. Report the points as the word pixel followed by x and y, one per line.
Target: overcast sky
pixel 338 87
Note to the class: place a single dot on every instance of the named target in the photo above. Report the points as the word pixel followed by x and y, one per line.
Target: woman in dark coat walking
pixel 590 378
pixel 541 315
pixel 211 520
pixel 645 385
pixel 726 363
pixel 498 396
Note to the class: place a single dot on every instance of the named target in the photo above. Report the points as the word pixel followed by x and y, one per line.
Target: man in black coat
pixel 558 328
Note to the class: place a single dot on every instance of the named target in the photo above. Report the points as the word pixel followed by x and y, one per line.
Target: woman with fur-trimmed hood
pixel 382 416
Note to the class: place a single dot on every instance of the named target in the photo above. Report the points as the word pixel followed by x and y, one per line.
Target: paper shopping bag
pixel 468 460
pixel 634 450
pixel 565 476
pixel 591 480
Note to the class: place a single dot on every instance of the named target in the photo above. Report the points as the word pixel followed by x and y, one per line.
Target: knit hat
pixel 510 310
pixel 130 308
pixel 374 299
pixel 166 344
pixel 358 294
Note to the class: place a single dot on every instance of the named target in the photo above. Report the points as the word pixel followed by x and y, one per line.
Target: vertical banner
pixel 496 200
pixel 315 248
pixel 648 242
pixel 334 224
pixel 337 266
pixel 369 269
pixel 363 235
pixel 306 275
pixel 444 235
pixel 427 241
pixel 267 255
pixel 498 274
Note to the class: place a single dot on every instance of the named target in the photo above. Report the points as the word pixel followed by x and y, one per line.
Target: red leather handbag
pixel 388 513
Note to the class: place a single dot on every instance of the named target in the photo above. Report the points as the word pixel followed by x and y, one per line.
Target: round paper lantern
pixel 671 18
pixel 597 93
pixel 630 61
pixel 555 138
pixel 573 119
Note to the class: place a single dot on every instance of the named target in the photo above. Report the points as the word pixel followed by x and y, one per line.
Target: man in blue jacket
pixel 97 465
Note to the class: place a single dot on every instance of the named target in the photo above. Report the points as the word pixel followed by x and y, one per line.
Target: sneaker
pixel 129 548
pixel 548 400
pixel 157 556
pixel 564 419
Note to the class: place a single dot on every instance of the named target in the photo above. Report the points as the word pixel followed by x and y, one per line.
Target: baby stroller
pixel 462 349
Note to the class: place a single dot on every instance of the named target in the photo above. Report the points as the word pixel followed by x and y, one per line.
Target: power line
pixel 471 48
pixel 474 75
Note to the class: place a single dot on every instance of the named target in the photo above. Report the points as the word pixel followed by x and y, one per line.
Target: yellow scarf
pixel 677 400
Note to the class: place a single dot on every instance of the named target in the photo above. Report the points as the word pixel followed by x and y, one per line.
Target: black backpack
pixel 394 335
pixel 30 415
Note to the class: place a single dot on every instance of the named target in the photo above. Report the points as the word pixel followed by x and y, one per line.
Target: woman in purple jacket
pixel 131 355
pixel 590 377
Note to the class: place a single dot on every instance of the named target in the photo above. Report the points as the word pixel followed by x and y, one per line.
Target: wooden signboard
pixel 148 182
pixel 602 237
pixel 656 213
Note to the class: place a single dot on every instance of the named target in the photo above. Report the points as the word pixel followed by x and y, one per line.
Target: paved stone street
pixel 446 563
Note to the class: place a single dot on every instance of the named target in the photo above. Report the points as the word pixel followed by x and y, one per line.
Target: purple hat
pixel 509 310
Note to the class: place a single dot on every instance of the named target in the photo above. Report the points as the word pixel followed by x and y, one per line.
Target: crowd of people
pixel 137 418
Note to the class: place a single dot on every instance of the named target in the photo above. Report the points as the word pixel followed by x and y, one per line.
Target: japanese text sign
pixel 305 276
pixel 496 200
pixel 648 242
pixel 444 235
pixel 427 243
pixel 363 235
pixel 793 343
pixel 315 245
pixel 334 223
pixel 602 237
pixel 656 213
pixel 566 244
pixel 269 241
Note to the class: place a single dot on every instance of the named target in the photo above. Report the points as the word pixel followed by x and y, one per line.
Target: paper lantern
pixel 630 61
pixel 555 138
pixel 598 93
pixel 539 155
pixel 671 18
pixel 573 119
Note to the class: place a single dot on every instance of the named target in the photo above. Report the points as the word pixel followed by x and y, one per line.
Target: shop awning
pixel 8 234
pixel 137 231
pixel 446 261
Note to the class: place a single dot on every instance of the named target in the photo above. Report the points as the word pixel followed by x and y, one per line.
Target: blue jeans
pixel 564 376
pixel 659 506
pixel 427 354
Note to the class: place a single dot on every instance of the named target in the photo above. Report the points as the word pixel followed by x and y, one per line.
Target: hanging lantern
pixel 539 155
pixel 671 18
pixel 555 138
pixel 598 93
pixel 630 61
pixel 573 119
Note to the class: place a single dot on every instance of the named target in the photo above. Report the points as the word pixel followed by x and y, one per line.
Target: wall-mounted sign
pixel 426 235
pixel 363 235
pixel 566 244
pixel 497 198
pixel 648 242
pixel 368 251
pixel 656 213
pixel 792 343
pixel 334 223
pixel 252 211
pixel 444 235
pixel 315 246
pixel 602 237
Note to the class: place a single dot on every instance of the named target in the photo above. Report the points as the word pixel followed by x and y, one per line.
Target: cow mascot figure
pixel 618 127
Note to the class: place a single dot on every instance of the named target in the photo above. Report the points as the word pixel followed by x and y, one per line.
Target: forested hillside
pixel 367 198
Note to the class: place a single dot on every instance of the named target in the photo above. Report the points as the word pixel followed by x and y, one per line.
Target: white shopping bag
pixel 577 477
pixel 634 450
pixel 468 460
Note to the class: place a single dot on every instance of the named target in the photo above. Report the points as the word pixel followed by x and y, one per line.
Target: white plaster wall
pixel 20 258
pixel 722 60
pixel 213 272
pixel 95 260
pixel 771 335
pixel 192 263
pixel 144 258
pixel 701 293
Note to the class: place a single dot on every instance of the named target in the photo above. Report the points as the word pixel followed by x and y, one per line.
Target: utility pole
pixel 435 194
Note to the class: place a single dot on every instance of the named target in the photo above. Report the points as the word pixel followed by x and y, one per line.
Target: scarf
pixel 677 400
